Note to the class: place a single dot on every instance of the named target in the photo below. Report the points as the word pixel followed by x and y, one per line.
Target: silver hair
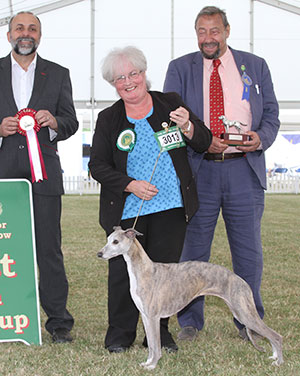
pixel 211 11
pixel 134 55
pixel 24 12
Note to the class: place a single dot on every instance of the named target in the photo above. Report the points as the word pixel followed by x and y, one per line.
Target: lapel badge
pixel 126 140
pixel 247 81
pixel 165 126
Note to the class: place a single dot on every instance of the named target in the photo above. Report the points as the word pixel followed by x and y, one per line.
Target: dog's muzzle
pixel 100 254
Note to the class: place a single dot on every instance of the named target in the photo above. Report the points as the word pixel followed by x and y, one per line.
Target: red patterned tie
pixel 216 101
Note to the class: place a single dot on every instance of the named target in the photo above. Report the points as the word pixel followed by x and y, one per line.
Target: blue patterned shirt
pixel 140 164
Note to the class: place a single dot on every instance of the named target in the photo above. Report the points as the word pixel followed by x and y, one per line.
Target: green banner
pixel 19 302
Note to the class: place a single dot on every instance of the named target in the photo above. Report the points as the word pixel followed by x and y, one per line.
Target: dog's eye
pixel 115 241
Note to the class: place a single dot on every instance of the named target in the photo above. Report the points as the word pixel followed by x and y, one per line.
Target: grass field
pixel 218 349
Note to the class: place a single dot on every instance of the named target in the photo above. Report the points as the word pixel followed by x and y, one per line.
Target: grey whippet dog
pixel 160 290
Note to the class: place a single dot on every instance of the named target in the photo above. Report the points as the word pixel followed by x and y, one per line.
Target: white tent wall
pixel 277 40
pixel 147 24
pixel 70 152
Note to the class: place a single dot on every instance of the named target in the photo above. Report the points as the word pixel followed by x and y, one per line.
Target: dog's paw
pixel 277 362
pixel 147 365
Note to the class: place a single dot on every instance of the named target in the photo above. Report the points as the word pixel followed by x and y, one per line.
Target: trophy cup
pixel 233 139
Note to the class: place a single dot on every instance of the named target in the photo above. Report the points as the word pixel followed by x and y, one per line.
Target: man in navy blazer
pixel 28 81
pixel 229 179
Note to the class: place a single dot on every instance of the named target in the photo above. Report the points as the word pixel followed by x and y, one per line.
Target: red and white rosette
pixel 28 127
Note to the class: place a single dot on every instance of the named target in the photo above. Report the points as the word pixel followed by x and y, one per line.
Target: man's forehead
pixel 25 19
pixel 210 21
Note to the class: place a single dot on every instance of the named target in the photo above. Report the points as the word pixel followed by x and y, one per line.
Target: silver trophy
pixel 233 139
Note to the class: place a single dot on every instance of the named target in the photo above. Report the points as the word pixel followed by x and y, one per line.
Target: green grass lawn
pixel 218 349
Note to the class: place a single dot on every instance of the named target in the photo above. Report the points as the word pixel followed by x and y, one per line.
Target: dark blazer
pixel 185 77
pixel 108 164
pixel 52 91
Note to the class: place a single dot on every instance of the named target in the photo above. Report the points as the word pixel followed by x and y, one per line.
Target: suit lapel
pixel 197 69
pixel 40 79
pixel 5 83
pixel 238 60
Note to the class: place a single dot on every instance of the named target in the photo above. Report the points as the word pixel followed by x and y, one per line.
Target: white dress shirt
pixel 22 82
pixel 22 85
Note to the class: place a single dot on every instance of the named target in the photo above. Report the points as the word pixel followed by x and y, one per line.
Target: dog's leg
pixel 152 329
pixel 274 338
pixel 251 337
pixel 242 306
pixel 277 351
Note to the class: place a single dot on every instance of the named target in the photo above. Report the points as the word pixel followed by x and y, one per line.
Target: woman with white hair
pixel 123 156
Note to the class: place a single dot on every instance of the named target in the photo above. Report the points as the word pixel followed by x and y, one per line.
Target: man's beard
pixel 215 55
pixel 22 50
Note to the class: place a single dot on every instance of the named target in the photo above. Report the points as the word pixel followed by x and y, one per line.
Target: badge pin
pixel 165 126
pixel 126 140
pixel 246 79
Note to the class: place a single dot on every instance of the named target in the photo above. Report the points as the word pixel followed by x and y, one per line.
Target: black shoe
pixel 188 333
pixel 117 348
pixel 61 335
pixel 170 347
pixel 243 334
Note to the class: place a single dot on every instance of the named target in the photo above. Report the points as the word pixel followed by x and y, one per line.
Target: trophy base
pixel 233 139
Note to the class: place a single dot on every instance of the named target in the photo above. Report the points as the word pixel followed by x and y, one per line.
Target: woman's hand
pixel 181 117
pixel 142 189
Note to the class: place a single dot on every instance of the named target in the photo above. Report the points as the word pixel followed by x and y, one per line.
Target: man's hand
pixel 9 126
pixel 253 144
pixel 46 119
pixel 217 146
pixel 142 189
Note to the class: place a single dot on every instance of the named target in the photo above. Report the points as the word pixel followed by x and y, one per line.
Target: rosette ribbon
pixel 28 127
pixel 247 83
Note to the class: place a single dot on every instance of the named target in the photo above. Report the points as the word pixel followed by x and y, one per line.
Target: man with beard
pixel 216 81
pixel 40 89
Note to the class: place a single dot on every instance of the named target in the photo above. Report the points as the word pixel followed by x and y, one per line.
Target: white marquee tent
pixel 79 33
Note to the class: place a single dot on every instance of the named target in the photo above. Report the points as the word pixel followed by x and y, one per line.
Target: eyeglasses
pixel 131 76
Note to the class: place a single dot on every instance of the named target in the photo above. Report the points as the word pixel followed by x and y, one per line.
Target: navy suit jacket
pixel 52 91
pixel 185 76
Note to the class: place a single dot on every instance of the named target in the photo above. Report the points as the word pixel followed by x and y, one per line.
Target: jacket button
pixel 111 202
pixel 21 146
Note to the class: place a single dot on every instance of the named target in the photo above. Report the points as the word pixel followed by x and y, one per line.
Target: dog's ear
pixel 131 233
pixel 115 228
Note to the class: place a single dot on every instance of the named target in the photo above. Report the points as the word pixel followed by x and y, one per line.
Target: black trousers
pixel 163 237
pixel 53 284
